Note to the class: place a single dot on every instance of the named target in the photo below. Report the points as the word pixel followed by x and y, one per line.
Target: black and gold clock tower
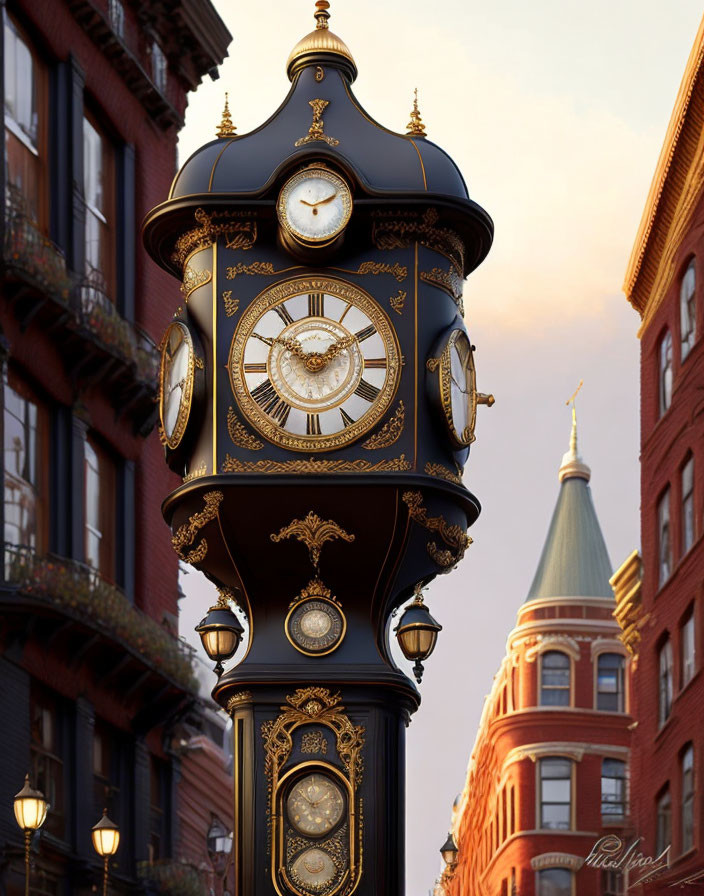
pixel 318 396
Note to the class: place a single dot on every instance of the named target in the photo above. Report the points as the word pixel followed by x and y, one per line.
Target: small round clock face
pixel 314 206
pixel 176 382
pixel 315 626
pixel 315 805
pixel 458 388
pixel 314 364
pixel 315 869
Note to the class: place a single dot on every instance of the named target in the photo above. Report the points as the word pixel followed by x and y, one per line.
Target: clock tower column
pixel 318 396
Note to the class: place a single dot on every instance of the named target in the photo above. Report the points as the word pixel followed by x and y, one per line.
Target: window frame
pixel 665 367
pixel 540 802
pixel 103 276
pixel 687 503
pixel 663 810
pixel 544 871
pixel 106 474
pixel 688 306
pixel 664 535
pixel 561 689
pixel 621 691
pixel 687 813
pixel 666 690
pixel 611 817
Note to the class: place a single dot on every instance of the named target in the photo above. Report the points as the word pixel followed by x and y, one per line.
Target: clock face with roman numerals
pixel 314 363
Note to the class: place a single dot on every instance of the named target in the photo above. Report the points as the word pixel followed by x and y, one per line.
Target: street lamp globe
pixel 30 807
pixel 220 632
pixel 106 836
pixel 417 633
pixel 449 851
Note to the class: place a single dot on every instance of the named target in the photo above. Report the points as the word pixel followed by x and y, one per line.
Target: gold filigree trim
pixel 317 129
pixel 199 363
pixel 398 230
pixel 415 127
pixel 185 535
pixel 443 473
pixel 454 536
pixel 226 128
pixel 397 302
pixel 398 271
pixel 389 433
pixel 313 532
pixel 240 435
pixel 238 233
pixel 196 473
pixel 192 280
pixel 231 305
pixel 312 465
pixel 238 699
pixel 432 364
pixel 256 269
pixel 449 281
pixel 314 742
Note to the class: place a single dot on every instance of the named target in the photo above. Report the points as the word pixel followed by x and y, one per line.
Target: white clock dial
pixel 314 364
pixel 458 393
pixel 176 382
pixel 315 805
pixel 314 869
pixel 314 206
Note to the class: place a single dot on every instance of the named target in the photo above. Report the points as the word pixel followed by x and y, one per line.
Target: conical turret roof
pixel 574 561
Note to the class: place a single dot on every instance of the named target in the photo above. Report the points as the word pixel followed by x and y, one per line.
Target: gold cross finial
pixel 415 127
pixel 321 14
pixel 572 400
pixel 226 128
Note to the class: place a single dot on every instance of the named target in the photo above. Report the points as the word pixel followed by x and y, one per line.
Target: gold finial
pixel 226 128
pixel 572 465
pixel 572 400
pixel 321 14
pixel 415 127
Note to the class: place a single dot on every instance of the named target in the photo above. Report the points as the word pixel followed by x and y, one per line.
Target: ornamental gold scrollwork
pixel 196 473
pixel 186 534
pixel 454 536
pixel 192 280
pixel 239 234
pixel 312 465
pixel 389 433
pixel 397 230
pixel 256 269
pixel 443 473
pixel 449 281
pixel 231 305
pixel 238 699
pixel 314 742
pixel 313 532
pixel 398 302
pixel 240 435
pixel 317 129
pixel 199 363
pixel 398 271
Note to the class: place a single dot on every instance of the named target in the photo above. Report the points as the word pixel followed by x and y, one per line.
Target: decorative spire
pixel 321 14
pixel 415 127
pixel 226 128
pixel 572 464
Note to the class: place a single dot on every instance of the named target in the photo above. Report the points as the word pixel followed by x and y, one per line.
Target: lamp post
pixel 30 812
pixel 106 839
pixel 417 633
pixel 220 633
pixel 219 842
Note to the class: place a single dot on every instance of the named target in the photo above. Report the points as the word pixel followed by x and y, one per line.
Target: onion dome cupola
pixel 574 561
pixel 321 120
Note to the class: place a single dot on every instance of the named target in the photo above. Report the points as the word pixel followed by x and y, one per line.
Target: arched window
pixel 610 682
pixel 665 372
pixel 555 882
pixel 688 504
pixel 554 679
pixel 665 682
pixel 613 790
pixel 688 311
pixel 664 544
pixel 687 798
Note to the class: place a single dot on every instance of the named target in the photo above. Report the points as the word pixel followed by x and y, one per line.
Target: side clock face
pixel 176 382
pixel 314 206
pixel 315 626
pixel 315 805
pixel 314 364
pixel 458 392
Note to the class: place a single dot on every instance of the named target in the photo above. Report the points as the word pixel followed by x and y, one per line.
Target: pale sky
pixel 555 111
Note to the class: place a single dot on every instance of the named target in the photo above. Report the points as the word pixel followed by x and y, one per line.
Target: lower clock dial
pixel 314 363
pixel 314 868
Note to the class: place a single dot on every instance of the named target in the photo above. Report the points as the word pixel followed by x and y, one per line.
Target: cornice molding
pixel 575 750
pixel 553 642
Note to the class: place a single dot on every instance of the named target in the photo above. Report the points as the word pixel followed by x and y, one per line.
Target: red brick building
pixel 662 614
pixel 548 774
pixel 93 679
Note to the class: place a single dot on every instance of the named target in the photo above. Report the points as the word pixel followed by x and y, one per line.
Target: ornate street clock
pixel 318 396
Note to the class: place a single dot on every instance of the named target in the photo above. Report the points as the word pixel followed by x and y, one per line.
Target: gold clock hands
pixel 319 202
pixel 315 361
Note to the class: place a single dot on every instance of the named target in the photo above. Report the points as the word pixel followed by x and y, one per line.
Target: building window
pixel 25 125
pixel 554 679
pixel 116 14
pixel 688 648
pixel 613 790
pixel 664 546
pixel 663 819
pixel 159 68
pixel 665 682
pixel 688 505
pixel 665 377
pixel 612 883
pixel 99 509
pixel 46 757
pixel 26 446
pixel 99 197
pixel 610 688
pixel 556 793
pixel 688 311
pixel 158 814
pixel 554 882
pixel 688 798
